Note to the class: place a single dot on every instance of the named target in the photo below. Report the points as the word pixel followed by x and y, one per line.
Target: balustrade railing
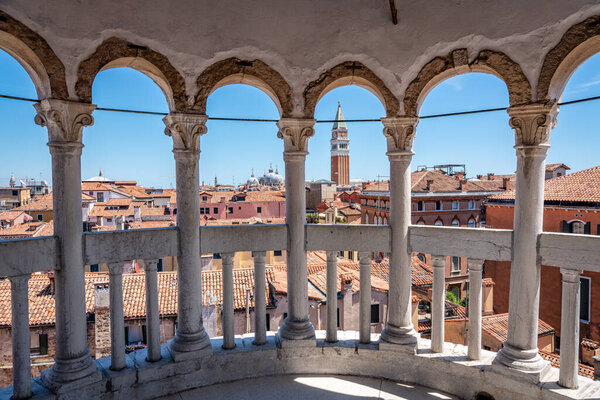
pixel 20 258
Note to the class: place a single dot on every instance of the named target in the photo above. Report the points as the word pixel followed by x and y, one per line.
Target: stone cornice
pixel 185 129
pixel 64 119
pixel 400 133
pixel 295 132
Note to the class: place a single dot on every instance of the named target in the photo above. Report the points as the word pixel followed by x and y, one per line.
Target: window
pixel 100 197
pixel 471 204
pixel 284 316
pixel 374 313
pixel 455 264
pixel 277 253
pixel 38 344
pixel 135 334
pixel 576 227
pixel 15 192
pixel 455 223
pixel 40 217
pixel 420 206
pixel 159 266
pixel 438 205
pixel 215 210
pixel 439 223
pixel 258 210
pixel 204 198
pixel 338 317
pixel 268 321
pixel 422 257
pixel 94 268
pixel 471 223
pixel 584 299
pixel 230 210
pixel 204 210
pixel 216 256
pixel 455 205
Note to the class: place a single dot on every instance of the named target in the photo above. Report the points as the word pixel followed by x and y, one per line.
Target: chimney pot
pixel 429 183
pixel 463 185
pixel 52 283
pixel 490 176
pixel 506 183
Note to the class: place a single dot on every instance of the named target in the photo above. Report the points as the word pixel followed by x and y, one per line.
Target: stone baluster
pixel 295 133
pixel 532 124
pixel 73 362
pixel 191 340
pixel 228 326
pixel 475 271
pixel 260 298
pixel 117 321
pixel 152 310
pixel 365 297
pixel 438 304
pixel 569 329
pixel 19 296
pixel 332 300
pixel 400 132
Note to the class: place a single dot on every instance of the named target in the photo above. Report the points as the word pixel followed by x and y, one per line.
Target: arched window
pixel 385 221
pixel 455 223
pixel 577 227
pixel 420 222
pixel 439 223
pixel 471 223
pixel 367 219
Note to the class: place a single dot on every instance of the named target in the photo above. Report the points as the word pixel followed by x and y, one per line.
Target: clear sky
pixel 130 146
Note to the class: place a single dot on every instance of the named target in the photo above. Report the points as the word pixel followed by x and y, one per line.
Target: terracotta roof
pixel 497 326
pixel 279 282
pixel 424 325
pixel 349 211
pixel 590 344
pixel 12 215
pixel 553 167
pixel 487 282
pixel 151 224
pixel 582 187
pixel 102 187
pixel 454 310
pixel 554 359
pixel 241 221
pixel 29 229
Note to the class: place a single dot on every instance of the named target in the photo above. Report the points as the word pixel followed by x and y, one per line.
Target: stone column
pixel 438 304
pixel 295 133
pixel 191 340
pixel 260 298
pixel 65 121
pixel 117 322
pixel 228 323
pixel 532 124
pixel 475 271
pixel 152 310
pixel 399 329
pixel 569 329
pixel 19 299
pixel 332 299
pixel 365 297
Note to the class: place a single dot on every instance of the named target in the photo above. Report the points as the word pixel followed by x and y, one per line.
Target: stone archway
pixel 457 62
pixel 116 52
pixel 349 73
pixel 579 42
pixel 254 73
pixel 33 52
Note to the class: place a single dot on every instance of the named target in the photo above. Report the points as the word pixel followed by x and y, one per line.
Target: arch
pixel 254 73
pixel 420 221
pixel 438 222
pixel 579 42
pixel 35 55
pixel 349 73
pixel 456 63
pixel 115 52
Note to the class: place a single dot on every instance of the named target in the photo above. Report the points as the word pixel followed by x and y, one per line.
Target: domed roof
pixel 272 178
pixel 252 181
pixel 98 178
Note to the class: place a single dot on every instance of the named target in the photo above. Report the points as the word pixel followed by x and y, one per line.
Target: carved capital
pixel 64 119
pixel 533 123
pixel 295 133
pixel 400 133
pixel 185 129
pixel 570 275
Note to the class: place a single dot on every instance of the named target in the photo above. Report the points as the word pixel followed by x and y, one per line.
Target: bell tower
pixel 340 151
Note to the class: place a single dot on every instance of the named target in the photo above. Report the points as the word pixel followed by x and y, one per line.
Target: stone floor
pixel 291 387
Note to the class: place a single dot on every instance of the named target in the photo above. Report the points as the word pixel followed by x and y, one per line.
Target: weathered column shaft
pixel 117 322
pixel 332 299
pixel 365 297
pixel 569 329
pixel 65 121
pixel 295 133
pixel 260 298
pixel 532 124
pixel 475 271
pixel 19 297
pixel 438 304
pixel 186 129
pixel 228 327
pixel 152 311
pixel 400 133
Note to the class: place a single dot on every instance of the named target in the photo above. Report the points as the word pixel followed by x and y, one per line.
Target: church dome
pixel 252 181
pixel 272 178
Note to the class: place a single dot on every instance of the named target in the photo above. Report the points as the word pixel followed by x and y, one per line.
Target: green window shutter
pixel 587 229
pixel 43 344
pixel 564 227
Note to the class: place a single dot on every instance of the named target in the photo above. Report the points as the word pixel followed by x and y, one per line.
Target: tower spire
pixel 339 119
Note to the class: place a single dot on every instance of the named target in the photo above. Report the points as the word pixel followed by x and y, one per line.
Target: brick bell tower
pixel 340 151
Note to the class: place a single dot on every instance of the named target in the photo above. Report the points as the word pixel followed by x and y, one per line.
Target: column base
pixel 399 335
pixel 74 373
pixel 185 346
pixel 522 364
pixel 296 330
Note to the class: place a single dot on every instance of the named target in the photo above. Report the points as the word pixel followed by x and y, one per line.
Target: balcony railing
pixel 20 258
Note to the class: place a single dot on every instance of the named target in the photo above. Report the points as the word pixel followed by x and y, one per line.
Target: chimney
pixel 490 176
pixel 479 177
pixel 429 183
pixel 346 320
pixel 52 283
pixel 463 185
pixel 137 216
pixel 506 183
pixel 102 319
pixel 120 222
pixel 459 175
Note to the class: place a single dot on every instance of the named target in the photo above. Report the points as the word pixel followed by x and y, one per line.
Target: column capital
pixel 115 268
pixel 438 261
pixel 259 255
pixel 227 258
pixel 64 119
pixel 364 257
pixel 151 265
pixel 570 275
pixel 533 123
pixel 185 129
pixel 20 281
pixel 295 133
pixel 475 264
pixel 400 133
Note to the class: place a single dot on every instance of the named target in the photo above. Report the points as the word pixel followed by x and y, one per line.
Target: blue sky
pixel 130 146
